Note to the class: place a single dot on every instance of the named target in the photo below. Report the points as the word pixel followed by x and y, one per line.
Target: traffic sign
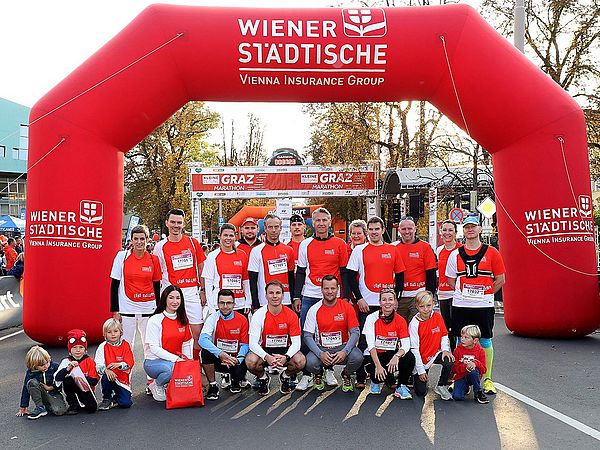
pixel 487 207
pixel 456 215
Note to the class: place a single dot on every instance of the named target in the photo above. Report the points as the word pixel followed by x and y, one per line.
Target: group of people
pixel 12 256
pixel 313 303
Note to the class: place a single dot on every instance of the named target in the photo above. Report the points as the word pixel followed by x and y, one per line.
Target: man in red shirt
pixel 331 333
pixel 10 253
pixel 271 260
pixel 181 260
pixel 297 228
pixel 249 235
pixel 274 341
pixel 421 268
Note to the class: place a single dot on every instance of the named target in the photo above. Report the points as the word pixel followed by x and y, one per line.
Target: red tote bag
pixel 185 388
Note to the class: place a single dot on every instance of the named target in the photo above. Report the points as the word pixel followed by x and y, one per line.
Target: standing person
pixel 168 338
pixel 320 255
pixel 135 285
pixel 18 244
pixel 274 341
pixel 372 267
pixel 225 344
pixel 271 260
pixel 331 333
pixel 78 390
pixel 421 268
pixel 181 261
pixel 388 347
pixel 358 234
pixel 10 253
pixel 476 272
pixel 445 292
pixel 227 268
pixel 248 235
pixel 297 228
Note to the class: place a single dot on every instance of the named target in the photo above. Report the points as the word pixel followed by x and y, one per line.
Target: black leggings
pixel 446 312
pixel 72 392
pixel 361 373
pixel 406 364
pixel 421 386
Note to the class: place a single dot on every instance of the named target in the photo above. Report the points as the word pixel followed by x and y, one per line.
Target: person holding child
pixel 168 340
pixel 469 367
pixel 77 373
pixel 114 360
pixel 430 344
pixel 39 385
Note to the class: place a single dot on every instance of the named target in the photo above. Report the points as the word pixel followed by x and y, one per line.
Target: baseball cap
pixel 296 218
pixel 471 220
pixel 250 219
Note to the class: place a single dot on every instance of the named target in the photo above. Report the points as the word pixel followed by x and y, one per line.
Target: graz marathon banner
pixel 273 182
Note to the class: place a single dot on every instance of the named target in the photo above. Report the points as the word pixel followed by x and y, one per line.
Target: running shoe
pixel 318 382
pixel 402 393
pixel 235 387
pixel 213 392
pixel 148 383
pixel 264 386
pixel 284 387
pixel 330 379
pixel 433 376
pixel 375 388
pixel 106 404
pixel 39 411
pixel 443 392
pixel 73 409
pixel 245 384
pixel 347 384
pixel 488 387
pixel 481 398
pixel 305 383
pixel 158 392
pixel 225 380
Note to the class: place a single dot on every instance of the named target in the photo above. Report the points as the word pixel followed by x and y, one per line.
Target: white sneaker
pixel 443 392
pixel 158 392
pixel 330 379
pixel 305 383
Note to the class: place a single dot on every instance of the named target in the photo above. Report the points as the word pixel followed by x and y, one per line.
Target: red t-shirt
pixel 229 334
pixel 138 276
pixel 228 271
pixel 418 257
pixel 387 335
pixel 11 256
pixel 444 289
pixel 272 262
pixel 320 258
pixel 464 356
pixel 295 246
pixel 278 329
pixel 330 324
pixel 431 332
pixel 180 259
pixel 174 334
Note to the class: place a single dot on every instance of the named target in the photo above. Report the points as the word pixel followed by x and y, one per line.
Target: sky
pixel 45 40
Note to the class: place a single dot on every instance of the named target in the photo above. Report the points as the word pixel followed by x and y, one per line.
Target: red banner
pixel 290 181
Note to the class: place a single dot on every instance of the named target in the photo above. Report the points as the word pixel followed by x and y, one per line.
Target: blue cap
pixel 471 220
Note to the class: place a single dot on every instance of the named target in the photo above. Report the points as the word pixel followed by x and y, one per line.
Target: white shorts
pixel 193 307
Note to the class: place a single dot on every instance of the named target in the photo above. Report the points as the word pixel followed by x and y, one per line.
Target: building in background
pixel 14 145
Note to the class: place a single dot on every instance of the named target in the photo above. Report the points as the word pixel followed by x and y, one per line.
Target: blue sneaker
pixel 402 393
pixel 375 388
pixel 39 411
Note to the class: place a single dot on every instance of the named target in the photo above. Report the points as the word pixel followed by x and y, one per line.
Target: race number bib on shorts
pixel 385 343
pixel 233 281
pixel 227 345
pixel 277 266
pixel 276 340
pixel 473 292
pixel 331 339
pixel 183 261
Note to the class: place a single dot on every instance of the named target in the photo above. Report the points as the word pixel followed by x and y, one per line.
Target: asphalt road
pixel 561 376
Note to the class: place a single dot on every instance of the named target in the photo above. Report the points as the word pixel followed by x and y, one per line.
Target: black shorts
pixel 209 358
pixel 276 350
pixel 482 317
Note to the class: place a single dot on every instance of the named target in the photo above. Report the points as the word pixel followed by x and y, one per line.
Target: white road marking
pixel 320 399
pixel 278 403
pixel 384 405
pixel 357 404
pixel 551 412
pixel 291 407
pixel 250 407
pixel 11 335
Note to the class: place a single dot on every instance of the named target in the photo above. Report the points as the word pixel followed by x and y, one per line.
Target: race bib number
pixel 277 266
pixel 385 343
pixel 473 292
pixel 227 345
pixel 233 281
pixel 331 339
pixel 276 340
pixel 183 261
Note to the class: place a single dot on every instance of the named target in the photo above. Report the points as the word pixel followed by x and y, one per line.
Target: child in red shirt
pixel 114 360
pixel 470 365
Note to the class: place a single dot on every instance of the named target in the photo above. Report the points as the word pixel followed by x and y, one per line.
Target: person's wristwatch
pixel 287 358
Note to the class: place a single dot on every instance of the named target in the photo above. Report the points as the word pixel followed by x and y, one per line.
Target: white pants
pixel 130 324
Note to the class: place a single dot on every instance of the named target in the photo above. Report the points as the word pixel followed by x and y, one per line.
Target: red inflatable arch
pixel 447 55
